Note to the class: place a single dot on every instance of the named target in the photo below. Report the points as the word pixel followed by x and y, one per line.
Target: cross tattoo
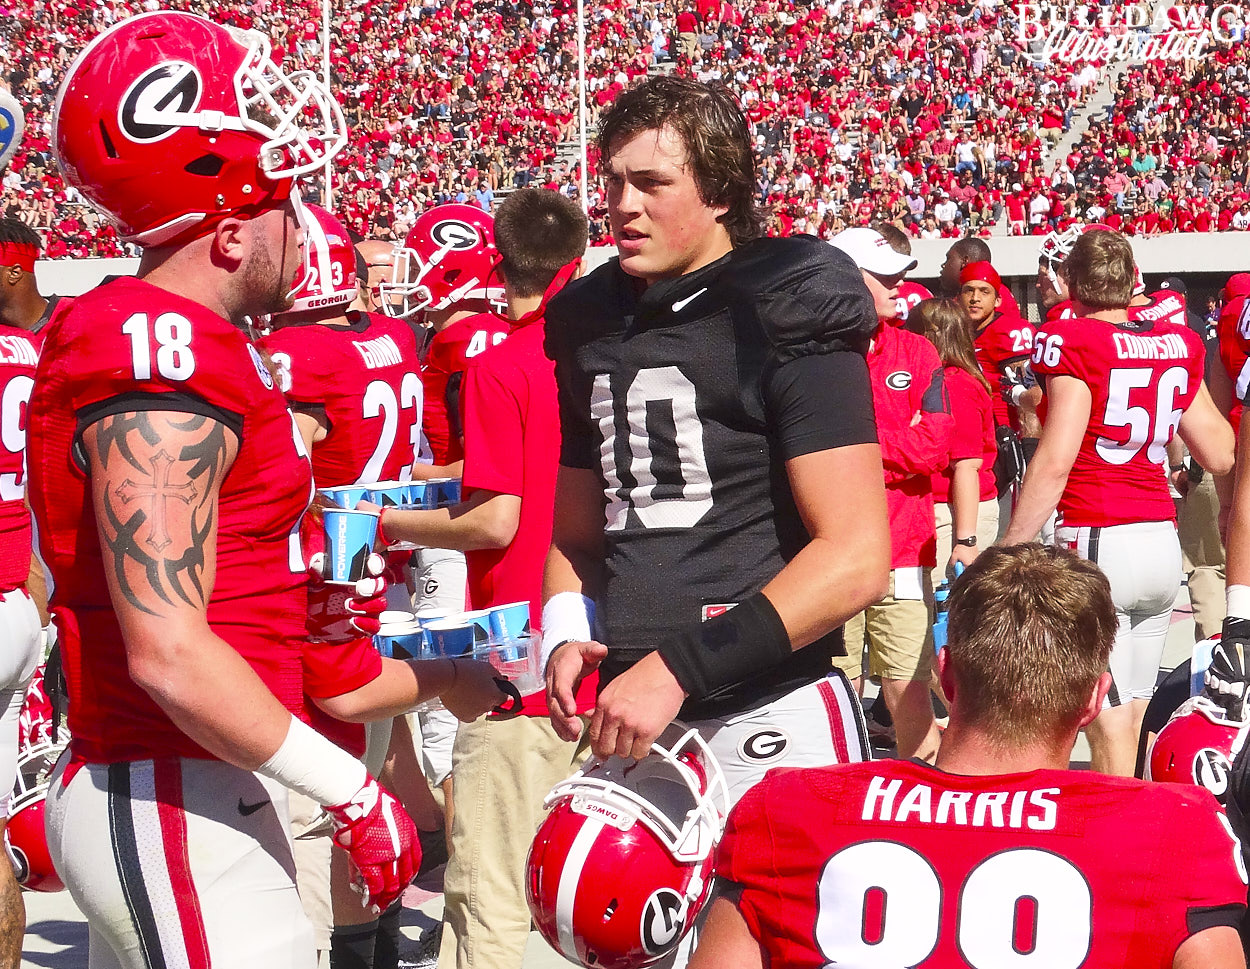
pixel 160 491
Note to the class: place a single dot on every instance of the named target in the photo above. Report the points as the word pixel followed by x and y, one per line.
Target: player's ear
pixel 946 675
pixel 229 243
pixel 1093 706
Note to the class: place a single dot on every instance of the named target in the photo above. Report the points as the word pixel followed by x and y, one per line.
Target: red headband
pixel 21 254
pixel 980 272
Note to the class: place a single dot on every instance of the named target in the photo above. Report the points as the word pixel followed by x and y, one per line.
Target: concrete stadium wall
pixel 1014 256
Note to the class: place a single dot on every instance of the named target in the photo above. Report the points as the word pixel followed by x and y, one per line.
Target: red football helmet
pixel 1057 246
pixel 1197 746
pixel 167 122
pixel 39 746
pixel 623 862
pixel 330 278
pixel 448 257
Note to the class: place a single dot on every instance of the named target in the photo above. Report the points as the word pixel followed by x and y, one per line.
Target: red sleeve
pixel 965 411
pixel 1057 350
pixel 922 448
pixel 332 669
pixel 745 856
pixel 1207 869
pixel 494 429
pixel 301 369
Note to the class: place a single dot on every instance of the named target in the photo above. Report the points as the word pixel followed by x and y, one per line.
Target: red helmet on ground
pixel 448 257
pixel 167 122
pixel 1197 746
pixel 330 277
pixel 623 862
pixel 39 746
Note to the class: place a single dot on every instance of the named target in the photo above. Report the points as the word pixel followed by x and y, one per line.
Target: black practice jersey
pixel 686 398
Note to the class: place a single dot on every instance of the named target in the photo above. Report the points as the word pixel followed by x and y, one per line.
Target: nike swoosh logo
pixel 249 809
pixel 681 304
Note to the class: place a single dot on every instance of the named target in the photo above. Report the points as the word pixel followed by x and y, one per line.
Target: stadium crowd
pixel 924 114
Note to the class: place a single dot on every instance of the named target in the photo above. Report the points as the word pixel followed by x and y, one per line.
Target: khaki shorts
pixel 899 634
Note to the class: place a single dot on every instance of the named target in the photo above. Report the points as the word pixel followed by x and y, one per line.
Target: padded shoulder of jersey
pixel 809 296
pixel 129 336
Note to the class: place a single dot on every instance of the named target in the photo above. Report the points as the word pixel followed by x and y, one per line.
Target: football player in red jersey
pixel 998 855
pixel 164 461
pixel 1116 392
pixel 962 253
pixel 23 595
pixel 351 379
pixel 1233 333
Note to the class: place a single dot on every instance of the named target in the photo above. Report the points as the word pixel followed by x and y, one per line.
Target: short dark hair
pixel 895 237
pixel 19 233
pixel 972 250
pixel 537 233
pixel 713 129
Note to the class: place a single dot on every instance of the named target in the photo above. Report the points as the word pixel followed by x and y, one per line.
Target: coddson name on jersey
pixel 1168 346
pixel 989 809
pixel 382 352
pixel 18 349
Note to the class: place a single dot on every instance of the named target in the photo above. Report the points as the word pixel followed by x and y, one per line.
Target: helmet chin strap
pixel 303 219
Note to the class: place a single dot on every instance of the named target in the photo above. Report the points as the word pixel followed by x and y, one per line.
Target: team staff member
pixel 914 427
pixel 163 459
pixel 22 592
pixel 998 855
pixel 351 379
pixel 964 493
pixel 504 768
pixel 714 404
pixel 1116 392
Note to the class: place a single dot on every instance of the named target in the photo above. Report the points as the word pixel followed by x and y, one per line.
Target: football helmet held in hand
pixel 40 744
pixel 1197 746
pixel 623 862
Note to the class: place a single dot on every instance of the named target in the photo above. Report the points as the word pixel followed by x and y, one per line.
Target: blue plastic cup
pixel 399 638
pixel 388 494
pixel 349 542
pixel 450 637
pixel 509 625
pixel 346 496
pixel 449 492
pixel 481 625
pixel 416 494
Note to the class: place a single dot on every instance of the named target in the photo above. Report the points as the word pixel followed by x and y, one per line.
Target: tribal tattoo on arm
pixel 155 480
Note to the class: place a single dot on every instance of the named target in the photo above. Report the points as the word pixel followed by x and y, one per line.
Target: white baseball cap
pixel 872 253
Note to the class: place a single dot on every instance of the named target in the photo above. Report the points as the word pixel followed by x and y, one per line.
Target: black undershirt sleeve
pixel 139 401
pixel 820 401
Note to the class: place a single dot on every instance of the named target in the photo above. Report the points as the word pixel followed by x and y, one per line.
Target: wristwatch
pixel 970 541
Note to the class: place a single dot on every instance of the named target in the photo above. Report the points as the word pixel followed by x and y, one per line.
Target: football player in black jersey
pixel 719 510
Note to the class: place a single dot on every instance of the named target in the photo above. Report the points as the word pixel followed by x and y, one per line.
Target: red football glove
pixel 381 840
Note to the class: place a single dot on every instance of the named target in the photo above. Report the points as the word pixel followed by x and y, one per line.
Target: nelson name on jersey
pixel 381 352
pixel 984 809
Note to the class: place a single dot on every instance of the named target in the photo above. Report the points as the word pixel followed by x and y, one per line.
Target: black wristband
pixel 727 649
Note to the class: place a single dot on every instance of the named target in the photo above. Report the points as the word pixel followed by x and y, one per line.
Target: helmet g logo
pixel 1211 769
pixel 663 921
pixel 150 109
pixel 454 234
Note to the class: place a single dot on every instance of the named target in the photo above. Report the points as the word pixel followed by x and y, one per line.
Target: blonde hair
pixel 1100 270
pixel 1029 629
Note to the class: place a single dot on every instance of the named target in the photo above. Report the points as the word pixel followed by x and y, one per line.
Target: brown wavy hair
pixel 713 129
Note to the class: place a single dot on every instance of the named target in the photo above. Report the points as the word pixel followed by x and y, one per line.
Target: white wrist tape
pixel 308 763
pixel 566 616
pixel 1237 598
